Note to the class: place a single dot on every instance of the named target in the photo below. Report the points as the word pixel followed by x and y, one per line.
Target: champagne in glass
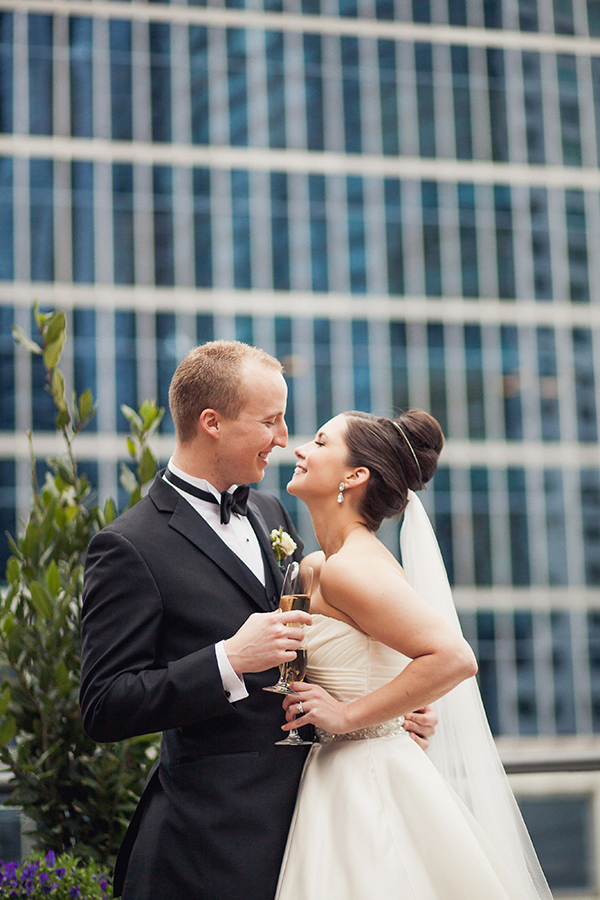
pixel 295 594
pixel 296 669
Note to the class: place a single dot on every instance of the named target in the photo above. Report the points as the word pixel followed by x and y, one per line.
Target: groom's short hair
pixel 210 377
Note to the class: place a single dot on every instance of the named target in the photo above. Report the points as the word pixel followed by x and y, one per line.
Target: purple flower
pixel 61 873
pixel 103 885
pixel 74 892
pixel 44 877
pixel 50 858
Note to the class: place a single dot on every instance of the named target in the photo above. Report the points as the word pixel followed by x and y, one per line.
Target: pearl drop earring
pixel 340 496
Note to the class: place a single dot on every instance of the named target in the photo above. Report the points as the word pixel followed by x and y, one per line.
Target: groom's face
pixel 246 442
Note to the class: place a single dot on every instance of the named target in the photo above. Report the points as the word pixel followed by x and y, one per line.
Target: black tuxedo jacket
pixel 160 590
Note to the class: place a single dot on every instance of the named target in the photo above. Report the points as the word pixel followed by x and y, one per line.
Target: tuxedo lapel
pixel 258 523
pixel 192 526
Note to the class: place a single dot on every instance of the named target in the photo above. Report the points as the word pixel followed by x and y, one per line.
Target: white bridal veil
pixel 463 749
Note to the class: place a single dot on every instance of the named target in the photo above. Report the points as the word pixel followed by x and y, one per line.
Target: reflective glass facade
pixel 401 200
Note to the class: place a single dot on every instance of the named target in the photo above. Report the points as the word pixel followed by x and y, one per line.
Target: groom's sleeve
pixel 233 684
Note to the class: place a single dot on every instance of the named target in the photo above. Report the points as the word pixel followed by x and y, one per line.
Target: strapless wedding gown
pixel 374 819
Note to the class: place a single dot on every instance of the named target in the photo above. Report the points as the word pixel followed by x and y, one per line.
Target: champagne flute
pixel 295 594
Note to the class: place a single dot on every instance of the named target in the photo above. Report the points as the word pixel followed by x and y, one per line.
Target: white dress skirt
pixel 374 819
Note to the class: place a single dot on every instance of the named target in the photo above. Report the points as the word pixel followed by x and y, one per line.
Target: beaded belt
pixel 393 727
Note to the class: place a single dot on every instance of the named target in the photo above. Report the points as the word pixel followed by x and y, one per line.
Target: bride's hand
pixel 420 724
pixel 318 708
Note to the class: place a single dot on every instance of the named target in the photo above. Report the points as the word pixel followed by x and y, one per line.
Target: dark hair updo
pixel 400 454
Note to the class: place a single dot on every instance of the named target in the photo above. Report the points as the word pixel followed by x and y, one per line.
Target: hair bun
pixel 424 440
pixel 400 455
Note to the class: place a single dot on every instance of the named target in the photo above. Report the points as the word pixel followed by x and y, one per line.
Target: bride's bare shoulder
pixel 358 564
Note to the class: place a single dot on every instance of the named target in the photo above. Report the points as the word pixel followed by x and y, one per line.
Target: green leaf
pixel 8 729
pixel 128 479
pixel 86 403
pixel 132 417
pixel 110 511
pixel 147 466
pixel 135 496
pixel 52 353
pixel 131 447
pixel 13 570
pixel 53 578
pixel 54 336
pixel 64 472
pixel 58 389
pixel 40 600
pixel 149 413
pixel 70 514
pixel 57 328
pixel 5 700
pixel 30 539
pixel 63 418
pixel 21 338
pixel 63 680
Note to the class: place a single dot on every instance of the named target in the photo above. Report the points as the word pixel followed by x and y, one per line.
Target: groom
pixel 178 636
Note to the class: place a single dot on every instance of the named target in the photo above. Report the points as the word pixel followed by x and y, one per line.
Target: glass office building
pixel 398 198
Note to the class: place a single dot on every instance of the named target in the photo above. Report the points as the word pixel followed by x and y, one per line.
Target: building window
pixel 125 366
pixel 121 97
pixel 577 247
pixel 240 205
pixel 393 231
pixel 462 101
pixel 425 99
pixel 80 52
pixel 7 269
pixel 561 828
pixel 202 227
pixel 280 237
pixel 6 72
pixel 356 235
pixel 40 74
pixel 318 232
pixel 388 97
pixel 82 221
pixel 323 370
pixel 468 240
pixel 124 256
pixel 162 190
pixel 84 355
pixel 41 175
pixel 237 85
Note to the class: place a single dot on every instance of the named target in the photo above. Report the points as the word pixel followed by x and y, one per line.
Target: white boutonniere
pixel 283 545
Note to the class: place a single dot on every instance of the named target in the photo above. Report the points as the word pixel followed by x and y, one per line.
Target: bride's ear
pixel 358 476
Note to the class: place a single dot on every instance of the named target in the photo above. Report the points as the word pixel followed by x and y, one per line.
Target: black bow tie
pixel 236 502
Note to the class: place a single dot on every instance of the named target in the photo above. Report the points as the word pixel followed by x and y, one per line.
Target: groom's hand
pixel 420 724
pixel 264 641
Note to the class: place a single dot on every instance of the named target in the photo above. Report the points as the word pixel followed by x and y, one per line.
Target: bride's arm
pixel 376 596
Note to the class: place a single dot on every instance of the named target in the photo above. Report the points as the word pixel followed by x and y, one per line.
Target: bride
pixel 376 817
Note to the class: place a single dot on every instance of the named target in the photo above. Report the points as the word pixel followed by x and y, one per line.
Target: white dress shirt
pixel 239 536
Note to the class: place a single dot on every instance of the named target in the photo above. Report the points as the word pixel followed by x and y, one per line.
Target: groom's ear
pixel 209 422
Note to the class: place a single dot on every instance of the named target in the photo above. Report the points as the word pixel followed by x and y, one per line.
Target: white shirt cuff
pixel 233 685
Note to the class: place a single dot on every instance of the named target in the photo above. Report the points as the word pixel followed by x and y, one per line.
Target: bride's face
pixel 321 463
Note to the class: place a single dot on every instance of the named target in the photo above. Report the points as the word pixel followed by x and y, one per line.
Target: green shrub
pixel 79 795
pixel 62 878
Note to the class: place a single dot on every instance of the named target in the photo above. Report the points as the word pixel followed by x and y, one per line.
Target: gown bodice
pixel 347 662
